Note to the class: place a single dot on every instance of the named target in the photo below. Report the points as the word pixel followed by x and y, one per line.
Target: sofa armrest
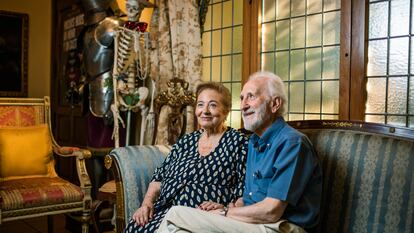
pixel 133 167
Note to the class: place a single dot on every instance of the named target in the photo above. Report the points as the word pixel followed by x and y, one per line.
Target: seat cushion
pixel 25 151
pixel 35 192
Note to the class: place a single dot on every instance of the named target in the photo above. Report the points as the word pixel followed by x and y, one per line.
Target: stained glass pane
pixel 215 69
pixel 332 5
pixel 282 65
pixel 377 58
pixel 296 117
pixel 226 68
pixel 313 64
pixel 412 55
pixel 235 119
pixel 400 15
pixel 314 6
pixel 396 120
pixel 206 44
pixel 330 97
pixel 411 96
pixel 398 56
pixel 282 9
pixel 226 41
pixel 217 15
pixel 330 117
pixel 282 34
pixel 378 17
pixel 238 12
pixel 298 33
pixel 237 68
pixel 296 100
pixel 314 30
pixel 235 99
pixel 376 89
pixel 313 97
pixel 237 39
pixel 397 95
pixel 374 118
pixel 297 65
pixel 216 43
pixel 331 28
pixel 268 62
pixel 227 14
pixel 298 7
pixel 206 69
pixel 207 23
pixel 268 35
pixel 269 7
pixel 331 62
pixel 312 117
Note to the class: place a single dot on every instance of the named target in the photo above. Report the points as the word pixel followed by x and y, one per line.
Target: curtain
pixel 176 52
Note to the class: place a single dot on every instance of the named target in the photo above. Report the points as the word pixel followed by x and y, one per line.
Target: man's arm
pixel 267 211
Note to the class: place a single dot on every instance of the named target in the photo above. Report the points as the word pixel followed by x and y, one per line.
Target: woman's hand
pixel 143 214
pixel 209 205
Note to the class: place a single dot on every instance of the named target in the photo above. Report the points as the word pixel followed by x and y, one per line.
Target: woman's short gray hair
pixel 275 88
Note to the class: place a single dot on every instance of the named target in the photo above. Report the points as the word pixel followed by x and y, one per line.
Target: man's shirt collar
pixel 260 143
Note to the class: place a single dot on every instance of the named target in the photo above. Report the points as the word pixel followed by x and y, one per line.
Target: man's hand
pixel 217 211
pixel 143 214
pixel 209 205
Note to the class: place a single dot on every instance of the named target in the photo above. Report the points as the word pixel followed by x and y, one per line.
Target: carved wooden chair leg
pixel 50 223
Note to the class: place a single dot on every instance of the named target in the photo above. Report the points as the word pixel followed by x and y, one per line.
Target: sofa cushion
pixel 34 192
pixel 25 151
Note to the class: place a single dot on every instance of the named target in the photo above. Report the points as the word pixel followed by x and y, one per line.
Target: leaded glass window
pixel 300 42
pixel 390 70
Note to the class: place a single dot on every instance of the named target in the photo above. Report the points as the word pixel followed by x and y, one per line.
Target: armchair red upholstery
pixel 33 188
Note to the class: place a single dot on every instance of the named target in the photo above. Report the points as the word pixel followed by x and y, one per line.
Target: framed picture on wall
pixel 13 54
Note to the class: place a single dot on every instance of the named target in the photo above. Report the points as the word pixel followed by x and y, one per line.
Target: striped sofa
pixel 368 176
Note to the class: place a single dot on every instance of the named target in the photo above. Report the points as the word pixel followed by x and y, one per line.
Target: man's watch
pixel 224 211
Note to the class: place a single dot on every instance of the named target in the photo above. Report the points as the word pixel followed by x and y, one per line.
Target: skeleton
pixel 131 44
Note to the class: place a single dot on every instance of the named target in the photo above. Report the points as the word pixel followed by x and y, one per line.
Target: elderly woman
pixel 204 169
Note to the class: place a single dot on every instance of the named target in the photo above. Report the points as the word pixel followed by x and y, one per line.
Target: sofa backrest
pixel 368 172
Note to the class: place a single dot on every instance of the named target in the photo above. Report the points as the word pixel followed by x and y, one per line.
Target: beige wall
pixel 39 42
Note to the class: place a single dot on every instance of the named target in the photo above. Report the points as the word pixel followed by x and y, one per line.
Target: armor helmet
pixel 95 10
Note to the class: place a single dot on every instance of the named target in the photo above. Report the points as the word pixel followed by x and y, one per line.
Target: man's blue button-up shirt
pixel 282 164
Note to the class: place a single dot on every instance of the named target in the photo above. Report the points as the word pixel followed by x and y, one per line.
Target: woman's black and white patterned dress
pixel 188 179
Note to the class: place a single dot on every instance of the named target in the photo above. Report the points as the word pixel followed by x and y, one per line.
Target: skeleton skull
pixel 134 9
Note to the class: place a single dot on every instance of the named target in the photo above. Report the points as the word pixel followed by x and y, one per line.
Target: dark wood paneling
pixel 345 61
pixel 359 58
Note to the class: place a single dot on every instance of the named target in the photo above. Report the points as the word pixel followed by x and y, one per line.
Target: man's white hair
pixel 275 88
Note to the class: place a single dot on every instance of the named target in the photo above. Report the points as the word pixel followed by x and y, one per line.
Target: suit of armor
pixel 98 55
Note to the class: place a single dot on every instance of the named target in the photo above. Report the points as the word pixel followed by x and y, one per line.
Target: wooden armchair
pixel 29 185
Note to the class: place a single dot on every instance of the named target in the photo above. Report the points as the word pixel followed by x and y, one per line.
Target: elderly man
pixel 283 182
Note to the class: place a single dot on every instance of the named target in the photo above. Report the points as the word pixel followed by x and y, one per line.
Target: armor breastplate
pixel 97 58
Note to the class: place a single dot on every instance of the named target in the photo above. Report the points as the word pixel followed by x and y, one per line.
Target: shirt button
pixel 268 145
pixel 250 193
